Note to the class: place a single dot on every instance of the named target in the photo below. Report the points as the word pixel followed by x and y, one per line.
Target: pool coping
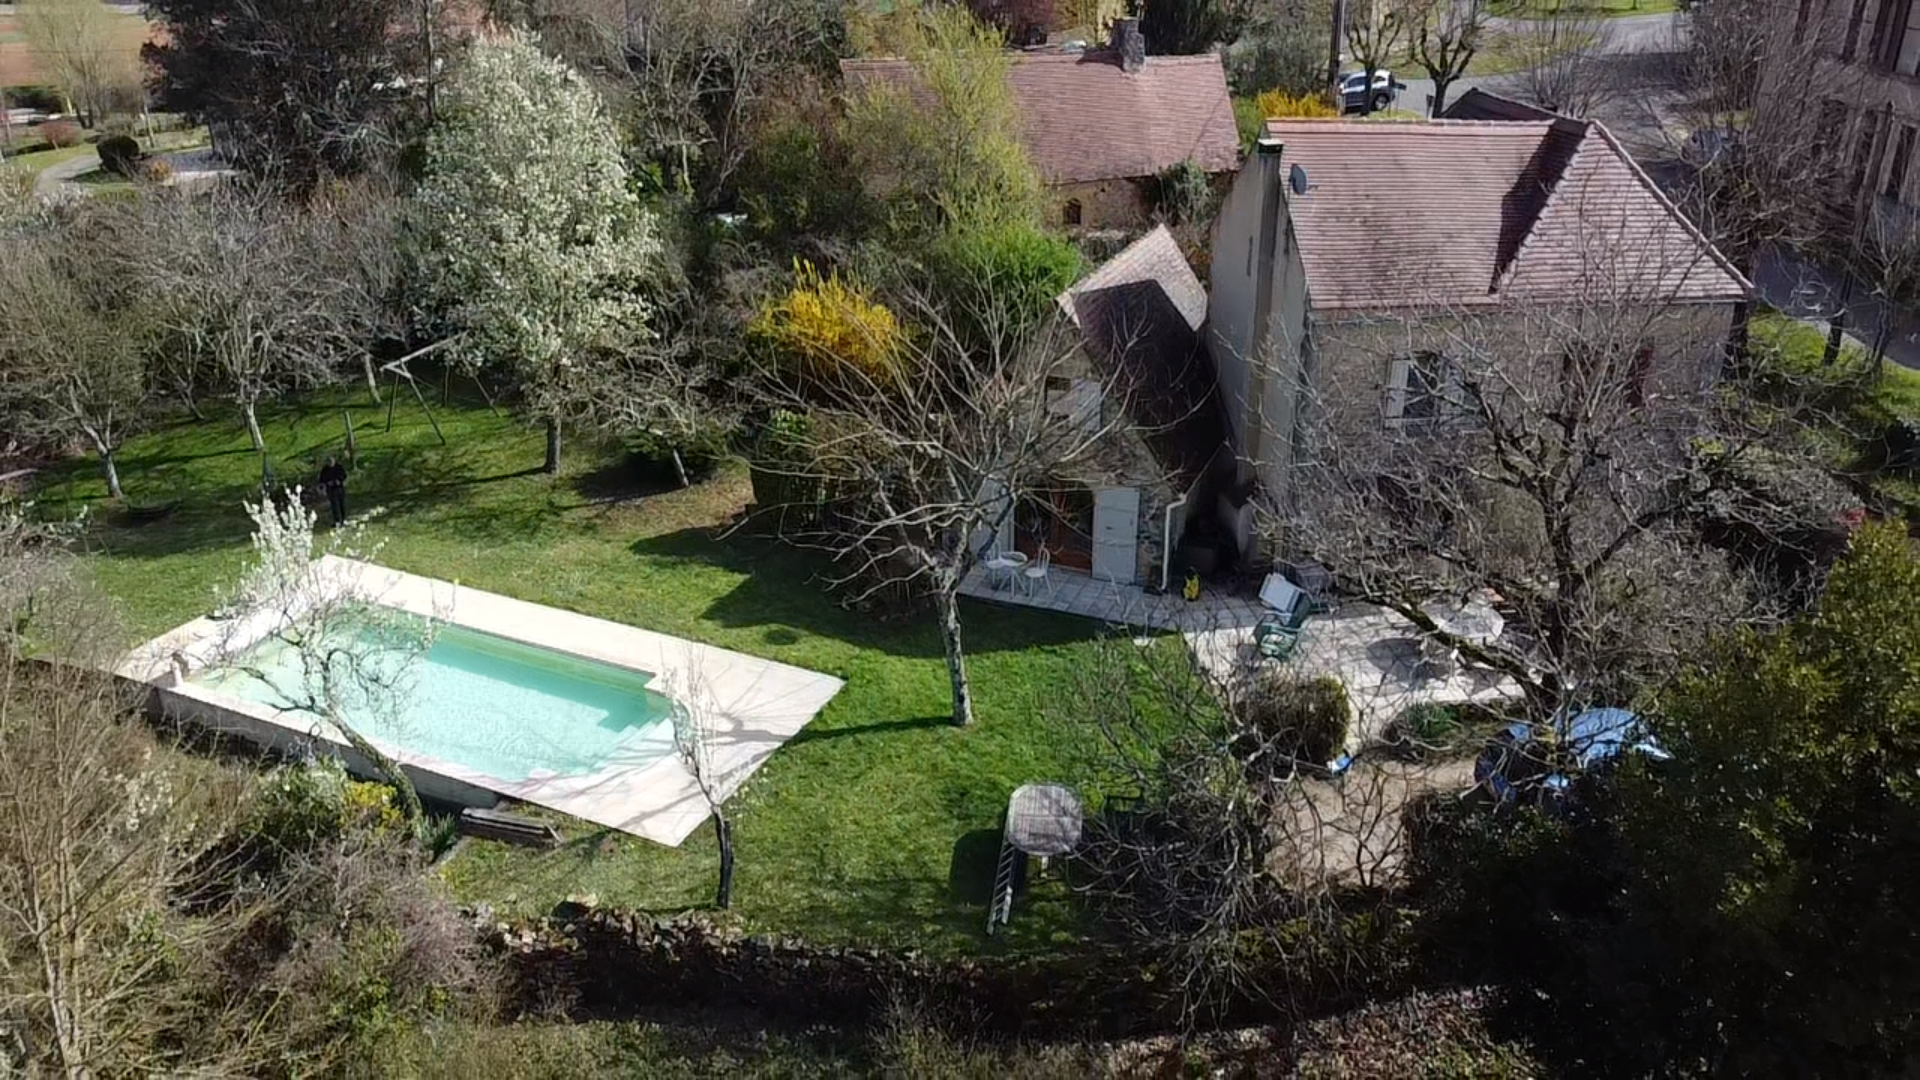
pixel 755 705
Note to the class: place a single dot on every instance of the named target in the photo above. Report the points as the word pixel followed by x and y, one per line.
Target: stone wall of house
pixel 1352 356
pixel 1104 204
pixel 1151 548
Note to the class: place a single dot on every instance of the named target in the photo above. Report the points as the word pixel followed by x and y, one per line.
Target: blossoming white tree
pixel 312 634
pixel 528 238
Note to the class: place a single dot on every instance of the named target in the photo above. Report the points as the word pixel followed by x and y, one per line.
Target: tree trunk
pixel 112 470
pixel 1439 98
pixel 949 602
pixel 391 771
pixel 553 447
pixel 680 468
pixel 373 378
pixel 253 428
pixel 723 832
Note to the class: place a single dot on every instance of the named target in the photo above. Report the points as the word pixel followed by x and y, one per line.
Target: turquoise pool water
pixel 499 707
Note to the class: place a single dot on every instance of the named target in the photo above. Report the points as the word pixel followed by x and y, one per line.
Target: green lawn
pixel 31 164
pixel 1858 408
pixel 850 830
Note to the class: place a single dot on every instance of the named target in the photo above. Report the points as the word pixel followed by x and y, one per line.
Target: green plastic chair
pixel 1288 609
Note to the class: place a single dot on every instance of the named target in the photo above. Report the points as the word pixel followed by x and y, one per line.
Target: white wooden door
pixel 1116 534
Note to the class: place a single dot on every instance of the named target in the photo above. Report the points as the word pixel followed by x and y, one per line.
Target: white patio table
pixel 1003 567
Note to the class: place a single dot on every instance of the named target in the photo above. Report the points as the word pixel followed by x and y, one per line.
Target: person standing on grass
pixel 333 480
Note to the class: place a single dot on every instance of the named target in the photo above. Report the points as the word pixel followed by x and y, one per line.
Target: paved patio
pixel 1075 593
pixel 1374 653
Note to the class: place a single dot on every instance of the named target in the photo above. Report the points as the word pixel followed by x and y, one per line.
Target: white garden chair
pixel 1036 572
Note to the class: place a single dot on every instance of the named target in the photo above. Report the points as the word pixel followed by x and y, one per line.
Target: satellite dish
pixel 1297 180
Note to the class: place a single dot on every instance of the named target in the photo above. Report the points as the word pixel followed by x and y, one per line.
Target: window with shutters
pixel 1078 401
pixel 1851 45
pixel 1423 388
pixel 1900 157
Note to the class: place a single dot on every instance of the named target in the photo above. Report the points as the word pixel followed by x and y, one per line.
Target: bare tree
pixel 1557 454
pixel 1376 31
pixel 73 354
pixel 1444 37
pixel 1233 845
pixel 1770 134
pixel 694 71
pixel 310 633
pixel 697 737
pixel 1568 70
pixel 75 41
pixel 100 834
pixel 921 463
pixel 249 293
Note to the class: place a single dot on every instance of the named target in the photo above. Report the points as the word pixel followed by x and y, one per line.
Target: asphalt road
pixel 1628 35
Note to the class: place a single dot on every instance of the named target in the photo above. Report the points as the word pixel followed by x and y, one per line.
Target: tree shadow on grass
pixel 813 733
pixel 209 510
pixel 785 587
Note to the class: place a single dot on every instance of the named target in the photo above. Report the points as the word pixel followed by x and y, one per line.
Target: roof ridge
pixel 1504 274
pixel 1422 125
pixel 1673 211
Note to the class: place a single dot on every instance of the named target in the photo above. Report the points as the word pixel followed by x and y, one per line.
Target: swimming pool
pixel 490 704
pixel 514 699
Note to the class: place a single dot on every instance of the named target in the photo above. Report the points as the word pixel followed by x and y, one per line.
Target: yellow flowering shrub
pixel 1278 104
pixel 827 328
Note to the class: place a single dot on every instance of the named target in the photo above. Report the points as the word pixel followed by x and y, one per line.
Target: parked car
pixel 1353 91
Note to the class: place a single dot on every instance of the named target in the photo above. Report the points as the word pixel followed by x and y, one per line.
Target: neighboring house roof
pixel 1084 119
pixel 1137 316
pixel 1154 257
pixel 1477 104
pixel 1469 213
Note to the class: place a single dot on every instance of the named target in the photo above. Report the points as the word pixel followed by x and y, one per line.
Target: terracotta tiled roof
pixel 1155 257
pixel 1140 315
pixel 1463 213
pixel 1085 119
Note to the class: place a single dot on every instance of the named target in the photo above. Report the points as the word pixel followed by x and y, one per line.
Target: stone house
pixel 1351 257
pixel 1142 378
pixel 1101 125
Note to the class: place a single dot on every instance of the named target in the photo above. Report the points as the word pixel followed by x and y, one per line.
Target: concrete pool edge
pixel 757 704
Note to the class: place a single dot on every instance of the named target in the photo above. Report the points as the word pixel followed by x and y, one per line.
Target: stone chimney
pixel 1129 44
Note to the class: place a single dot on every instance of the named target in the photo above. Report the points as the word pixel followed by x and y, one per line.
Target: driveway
pixel 50 179
pixel 1643 36
pixel 1811 294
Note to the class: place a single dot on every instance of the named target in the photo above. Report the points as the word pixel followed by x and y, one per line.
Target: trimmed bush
pixel 1306 721
pixel 59 134
pixel 120 155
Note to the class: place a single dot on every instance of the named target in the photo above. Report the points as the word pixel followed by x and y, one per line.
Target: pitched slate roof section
pixel 1084 119
pixel 1155 257
pixel 1467 213
pixel 1140 314
pixel 1477 104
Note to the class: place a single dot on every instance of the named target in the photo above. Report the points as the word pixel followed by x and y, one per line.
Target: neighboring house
pixel 1144 379
pixel 1477 104
pixel 1351 256
pixel 1101 125
pixel 1869 110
